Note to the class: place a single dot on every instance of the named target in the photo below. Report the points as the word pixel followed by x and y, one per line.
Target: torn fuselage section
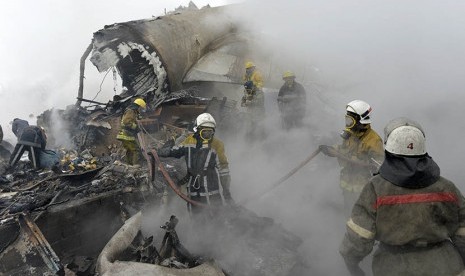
pixel 159 56
pixel 139 65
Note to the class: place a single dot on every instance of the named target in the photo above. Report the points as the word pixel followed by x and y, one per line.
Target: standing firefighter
pixel 207 165
pixel 253 100
pixel 417 216
pixel 253 77
pixel 31 139
pixel 359 154
pixel 129 129
pixel 292 101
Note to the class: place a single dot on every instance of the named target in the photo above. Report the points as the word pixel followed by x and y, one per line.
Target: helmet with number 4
pixel 362 109
pixel 403 136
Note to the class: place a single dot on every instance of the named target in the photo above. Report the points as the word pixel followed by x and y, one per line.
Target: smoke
pixel 405 59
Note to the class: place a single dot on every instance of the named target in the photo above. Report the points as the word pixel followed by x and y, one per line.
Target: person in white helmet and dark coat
pixel 208 178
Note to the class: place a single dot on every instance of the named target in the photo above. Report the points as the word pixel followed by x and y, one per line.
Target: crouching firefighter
pixel 30 138
pixel 417 215
pixel 208 178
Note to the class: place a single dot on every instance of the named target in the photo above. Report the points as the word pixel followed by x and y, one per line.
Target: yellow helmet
pixel 140 102
pixel 249 64
pixel 288 74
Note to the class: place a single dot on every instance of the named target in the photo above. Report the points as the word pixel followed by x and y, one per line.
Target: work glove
pixel 248 84
pixel 328 150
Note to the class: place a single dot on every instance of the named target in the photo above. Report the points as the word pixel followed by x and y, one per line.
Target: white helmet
pixel 206 120
pixel 361 108
pixel 403 136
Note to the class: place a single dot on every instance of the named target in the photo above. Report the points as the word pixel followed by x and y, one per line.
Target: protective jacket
pixel 33 136
pixel 33 140
pixel 207 168
pixel 364 146
pixel 129 128
pixel 292 101
pixel 417 216
pixel 256 78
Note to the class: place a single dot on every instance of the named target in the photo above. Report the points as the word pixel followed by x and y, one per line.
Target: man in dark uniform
pixel 292 101
pixel 207 165
pixel 31 139
pixel 417 215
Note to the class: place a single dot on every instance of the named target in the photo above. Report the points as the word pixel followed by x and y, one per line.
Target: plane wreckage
pixel 84 218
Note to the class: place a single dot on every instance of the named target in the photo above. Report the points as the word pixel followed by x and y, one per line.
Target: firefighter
pixel 30 138
pixel 417 215
pixel 359 154
pixel 254 102
pixel 252 76
pixel 207 165
pixel 292 100
pixel 129 129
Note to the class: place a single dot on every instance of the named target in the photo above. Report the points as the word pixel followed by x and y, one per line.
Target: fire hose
pixel 153 159
pixel 282 179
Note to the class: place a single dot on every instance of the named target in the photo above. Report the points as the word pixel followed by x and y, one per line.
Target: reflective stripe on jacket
pixel 418 222
pixel 206 166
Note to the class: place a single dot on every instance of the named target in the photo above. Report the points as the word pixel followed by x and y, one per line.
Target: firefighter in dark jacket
pixel 30 138
pixel 417 215
pixel 360 153
pixel 292 101
pixel 129 129
pixel 208 178
pixel 18 125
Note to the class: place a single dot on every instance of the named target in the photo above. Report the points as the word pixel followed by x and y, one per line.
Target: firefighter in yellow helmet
pixel 253 75
pixel 207 165
pixel 292 101
pixel 129 129
pixel 253 100
pixel 360 153
pixel 417 215
pixel 253 84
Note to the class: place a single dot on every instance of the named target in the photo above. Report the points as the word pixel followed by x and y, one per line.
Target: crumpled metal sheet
pixel 30 254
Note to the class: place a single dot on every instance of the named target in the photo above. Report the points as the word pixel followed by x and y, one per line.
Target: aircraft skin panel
pixel 215 66
pixel 171 45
